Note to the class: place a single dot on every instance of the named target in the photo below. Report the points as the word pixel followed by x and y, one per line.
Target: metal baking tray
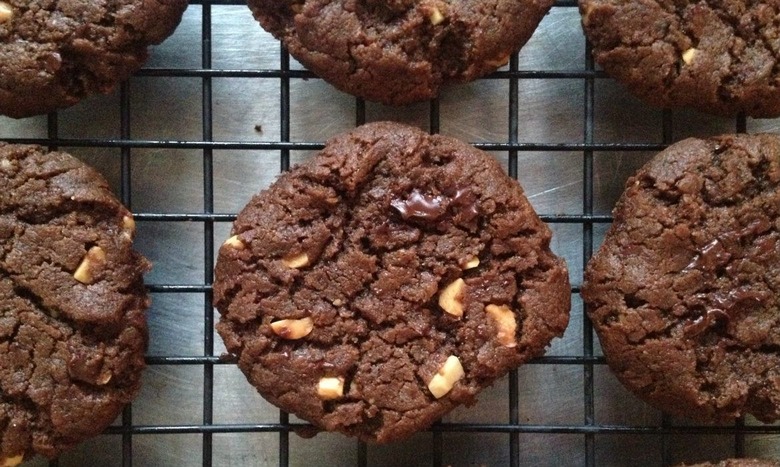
pixel 220 109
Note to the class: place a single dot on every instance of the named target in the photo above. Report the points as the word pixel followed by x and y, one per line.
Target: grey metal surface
pixel 166 180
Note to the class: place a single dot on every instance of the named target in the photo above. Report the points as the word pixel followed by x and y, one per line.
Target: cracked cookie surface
pixel 720 57
pixel 389 279
pixel 684 291
pixel 72 303
pixel 53 54
pixel 401 51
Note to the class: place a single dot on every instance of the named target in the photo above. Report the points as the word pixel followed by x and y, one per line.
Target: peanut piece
pixel 688 55
pixel 500 61
pixel 450 299
pixel 330 388
pixel 293 328
pixel 449 373
pixel 436 17
pixel 235 243
pixel 472 263
pixel 104 378
pixel 94 257
pixel 12 461
pixel 296 261
pixel 128 227
pixel 6 13
pixel 505 322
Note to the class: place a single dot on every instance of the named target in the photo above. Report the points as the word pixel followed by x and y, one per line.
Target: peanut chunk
pixel 235 243
pixel 330 387
pixel 293 328
pixel 296 261
pixel 12 461
pixel 688 55
pixel 436 17
pixel 451 298
pixel 472 263
pixel 6 13
pixel 449 373
pixel 85 272
pixel 505 322
pixel 104 378
pixel 128 227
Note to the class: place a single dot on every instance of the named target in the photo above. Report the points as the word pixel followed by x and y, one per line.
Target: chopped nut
pixel 445 378
pixel 296 261
pixel 6 13
pixel 94 257
pixel 688 55
pixel 499 61
pixel 293 328
pixel 330 388
pixel 436 17
pixel 104 378
pixel 12 461
pixel 235 243
pixel 472 263
pixel 505 321
pixel 128 226
pixel 5 164
pixel 450 299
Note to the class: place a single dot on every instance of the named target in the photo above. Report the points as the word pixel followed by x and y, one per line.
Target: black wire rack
pixel 587 222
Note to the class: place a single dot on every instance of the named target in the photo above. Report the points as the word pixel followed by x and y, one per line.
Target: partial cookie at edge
pixel 684 291
pixel 72 303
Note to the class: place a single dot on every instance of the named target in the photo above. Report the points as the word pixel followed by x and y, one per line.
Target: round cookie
pixel 401 51
pixel 684 292
pixel 737 462
pixel 55 53
pixel 387 280
pixel 716 57
pixel 72 304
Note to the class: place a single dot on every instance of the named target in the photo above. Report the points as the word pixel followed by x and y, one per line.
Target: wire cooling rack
pixel 221 109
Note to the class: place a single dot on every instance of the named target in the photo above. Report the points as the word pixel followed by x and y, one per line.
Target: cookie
pixel 684 292
pixel 386 281
pixel 716 57
pixel 741 462
pixel 72 304
pixel 401 51
pixel 53 54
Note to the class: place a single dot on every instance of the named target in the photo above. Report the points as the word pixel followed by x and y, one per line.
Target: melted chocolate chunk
pixel 421 206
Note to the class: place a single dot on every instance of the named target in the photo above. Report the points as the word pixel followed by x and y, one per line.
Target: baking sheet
pixel 174 182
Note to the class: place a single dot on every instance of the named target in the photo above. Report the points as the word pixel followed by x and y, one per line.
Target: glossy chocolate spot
pixel 460 204
pixel 711 257
pixel 420 206
pixel 724 307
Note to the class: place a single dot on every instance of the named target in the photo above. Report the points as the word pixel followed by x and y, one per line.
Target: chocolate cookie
pixel 737 463
pixel 685 291
pixel 386 281
pixel 55 53
pixel 717 57
pixel 400 51
pixel 72 301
